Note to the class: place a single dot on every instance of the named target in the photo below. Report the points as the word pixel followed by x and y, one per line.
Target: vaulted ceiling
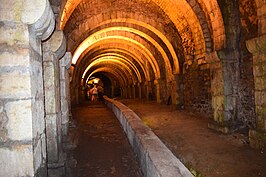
pixel 134 41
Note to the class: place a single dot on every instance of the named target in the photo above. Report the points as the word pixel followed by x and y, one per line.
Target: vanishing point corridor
pixel 152 88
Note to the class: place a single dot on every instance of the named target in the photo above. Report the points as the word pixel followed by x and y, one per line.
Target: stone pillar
pixel 257 47
pixel 133 91
pixel 130 90
pixel 22 128
pixel 217 90
pixel 65 64
pixel 124 92
pixel 157 87
pixel 178 89
pixel 53 50
pixel 140 90
pixel 148 89
pixel 224 87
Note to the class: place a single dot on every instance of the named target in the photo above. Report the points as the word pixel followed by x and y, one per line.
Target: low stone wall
pixel 155 158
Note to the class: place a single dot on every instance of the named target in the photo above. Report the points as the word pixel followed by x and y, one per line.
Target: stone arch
pixel 117 57
pixel 118 39
pixel 98 35
pixel 177 15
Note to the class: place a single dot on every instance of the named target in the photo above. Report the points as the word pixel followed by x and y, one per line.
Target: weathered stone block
pixel 261 116
pixel 260 83
pixel 19 124
pixel 51 85
pixel 15 85
pixel 52 138
pixel 260 98
pixel 17 34
pixel 39 159
pixel 259 70
pixel 20 58
pixel 17 161
pixel 38 117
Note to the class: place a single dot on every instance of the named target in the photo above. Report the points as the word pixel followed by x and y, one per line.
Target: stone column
pixel 129 90
pixel 140 90
pixel 217 90
pixel 65 64
pixel 257 47
pixel 53 50
pixel 124 92
pixel 157 86
pixel 148 89
pixel 22 128
pixel 133 91
pixel 112 91
pixel 178 88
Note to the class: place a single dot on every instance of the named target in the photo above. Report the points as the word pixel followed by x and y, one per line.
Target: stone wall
pixel 22 124
pixel 197 87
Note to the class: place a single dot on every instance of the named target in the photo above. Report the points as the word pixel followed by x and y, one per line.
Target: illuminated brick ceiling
pixel 140 40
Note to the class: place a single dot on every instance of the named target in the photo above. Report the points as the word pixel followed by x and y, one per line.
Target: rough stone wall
pixel 234 104
pixel 246 106
pixel 22 124
pixel 197 86
pixel 257 135
pixel 249 22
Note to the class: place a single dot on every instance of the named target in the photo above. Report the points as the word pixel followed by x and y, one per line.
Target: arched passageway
pixel 206 56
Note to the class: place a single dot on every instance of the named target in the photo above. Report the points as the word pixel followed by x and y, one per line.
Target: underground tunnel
pixel 182 78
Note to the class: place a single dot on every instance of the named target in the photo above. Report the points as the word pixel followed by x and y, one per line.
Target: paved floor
pixel 207 152
pixel 99 145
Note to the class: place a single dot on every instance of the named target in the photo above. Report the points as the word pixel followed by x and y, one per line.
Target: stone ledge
pixel 155 158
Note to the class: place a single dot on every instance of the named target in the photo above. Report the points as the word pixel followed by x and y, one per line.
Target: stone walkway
pixel 99 145
pixel 202 150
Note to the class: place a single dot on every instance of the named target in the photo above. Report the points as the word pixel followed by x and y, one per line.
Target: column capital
pixel 257 45
pixel 57 44
pixel 39 15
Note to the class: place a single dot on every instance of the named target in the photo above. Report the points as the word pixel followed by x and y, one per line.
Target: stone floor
pixel 97 145
pixel 204 151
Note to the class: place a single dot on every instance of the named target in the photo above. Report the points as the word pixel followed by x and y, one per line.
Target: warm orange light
pixel 90 40
pixel 112 60
pixel 181 14
pixel 118 76
pixel 117 39
pixel 114 52
pixel 113 56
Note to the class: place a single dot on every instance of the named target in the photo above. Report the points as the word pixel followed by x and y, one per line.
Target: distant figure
pixel 94 93
pixel 100 93
pixel 88 93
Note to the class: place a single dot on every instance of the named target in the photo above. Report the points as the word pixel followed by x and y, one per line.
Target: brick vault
pixel 204 55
